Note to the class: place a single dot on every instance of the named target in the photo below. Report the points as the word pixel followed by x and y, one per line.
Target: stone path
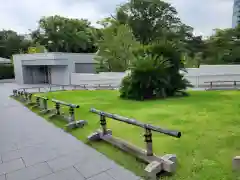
pixel 31 148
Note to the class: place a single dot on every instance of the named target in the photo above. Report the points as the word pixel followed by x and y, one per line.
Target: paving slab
pixel 3 177
pixel 66 174
pixel 32 148
pixel 90 168
pixel 102 176
pixel 30 173
pixel 11 166
pixel 120 173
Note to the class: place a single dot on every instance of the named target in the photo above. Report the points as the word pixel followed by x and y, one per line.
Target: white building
pixel 51 68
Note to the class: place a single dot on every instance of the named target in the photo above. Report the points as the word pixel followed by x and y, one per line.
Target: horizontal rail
pixel 173 133
pixel 41 97
pixel 64 103
pixel 219 81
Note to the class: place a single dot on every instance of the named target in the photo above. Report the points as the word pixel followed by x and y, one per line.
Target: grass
pixel 209 122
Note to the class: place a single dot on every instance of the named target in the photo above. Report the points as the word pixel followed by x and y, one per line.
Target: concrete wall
pixel 60 75
pixel 18 70
pixel 196 76
pixel 27 75
pixel 85 68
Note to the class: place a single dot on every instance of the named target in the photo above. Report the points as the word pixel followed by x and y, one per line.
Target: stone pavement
pixel 31 148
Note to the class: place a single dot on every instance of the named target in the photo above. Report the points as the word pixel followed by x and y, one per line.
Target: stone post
pixel 71 114
pixel 29 97
pixel 148 140
pixel 22 96
pixel 38 101
pixel 45 104
pixel 103 123
pixel 26 96
pixel 18 93
pixel 57 105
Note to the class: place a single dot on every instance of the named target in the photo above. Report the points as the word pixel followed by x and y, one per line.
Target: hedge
pixel 6 71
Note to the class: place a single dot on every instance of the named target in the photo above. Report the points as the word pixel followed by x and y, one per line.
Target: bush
pixel 155 73
pixel 6 71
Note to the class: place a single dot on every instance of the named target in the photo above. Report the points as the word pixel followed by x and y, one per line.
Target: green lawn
pixel 209 122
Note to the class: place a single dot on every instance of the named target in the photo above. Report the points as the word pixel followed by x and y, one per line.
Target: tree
pixel 12 43
pixel 62 34
pixel 223 47
pixel 116 48
pixel 151 20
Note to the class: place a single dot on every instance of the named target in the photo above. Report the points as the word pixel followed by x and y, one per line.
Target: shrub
pixel 155 73
pixel 148 78
pixel 6 71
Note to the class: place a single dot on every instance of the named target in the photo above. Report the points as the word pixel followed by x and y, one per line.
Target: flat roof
pixel 57 56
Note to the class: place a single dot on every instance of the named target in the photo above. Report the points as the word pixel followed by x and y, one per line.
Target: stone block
pixel 153 169
pixel 94 136
pixel 76 124
pixel 236 163
pixel 169 163
pixel 44 111
pixel 171 157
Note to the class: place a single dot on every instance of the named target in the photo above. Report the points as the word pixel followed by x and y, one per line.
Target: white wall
pixel 197 76
pixel 60 75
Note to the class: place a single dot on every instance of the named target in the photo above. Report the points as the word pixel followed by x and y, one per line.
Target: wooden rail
pixel 157 164
pixel 72 123
pixel 176 134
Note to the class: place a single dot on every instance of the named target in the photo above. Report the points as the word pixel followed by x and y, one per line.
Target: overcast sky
pixel 22 15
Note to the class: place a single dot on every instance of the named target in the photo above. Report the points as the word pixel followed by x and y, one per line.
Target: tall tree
pixel 12 43
pixel 116 48
pixel 151 20
pixel 223 47
pixel 58 33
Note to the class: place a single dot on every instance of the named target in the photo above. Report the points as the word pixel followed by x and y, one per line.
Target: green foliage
pixel 148 78
pixel 151 20
pixel 12 43
pixel 6 71
pixel 60 34
pixel 155 73
pixel 192 62
pixel 36 49
pixel 116 48
pixel 223 47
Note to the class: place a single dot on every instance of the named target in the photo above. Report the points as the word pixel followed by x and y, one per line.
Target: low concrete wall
pixel 7 80
pixel 196 76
